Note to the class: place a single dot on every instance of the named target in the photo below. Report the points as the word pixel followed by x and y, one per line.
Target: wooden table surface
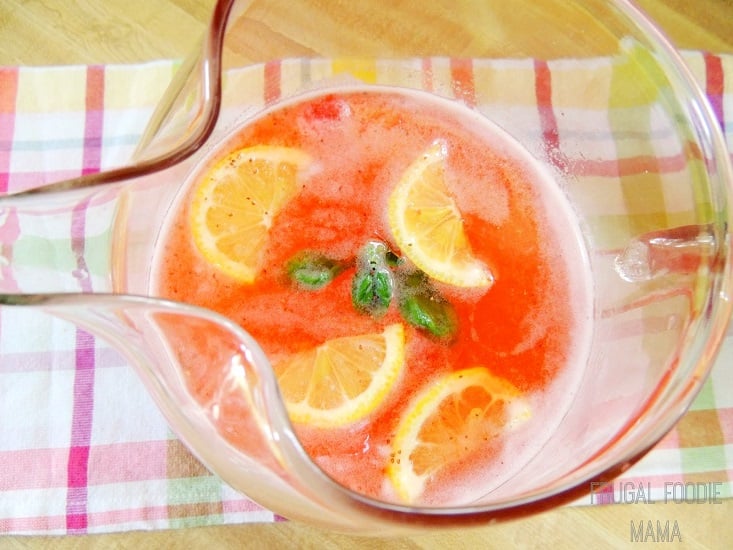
pixel 52 32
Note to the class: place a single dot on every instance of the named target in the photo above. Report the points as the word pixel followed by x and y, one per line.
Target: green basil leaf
pixel 372 288
pixel 422 306
pixel 313 271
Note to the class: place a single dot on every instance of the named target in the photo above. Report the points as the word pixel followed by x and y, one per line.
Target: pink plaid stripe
pixel 9 232
pixel 273 77
pixel 93 127
pixel 38 361
pixel 28 468
pixel 548 121
pixel 105 474
pixel 462 81
pixel 81 428
pixel 8 90
pixel 78 223
pixel 76 499
pixel 627 166
pixel 715 85
pixel 427 74
pixel 8 226
pixel 726 423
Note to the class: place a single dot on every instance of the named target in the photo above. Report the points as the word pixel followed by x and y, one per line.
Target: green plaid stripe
pixel 620 100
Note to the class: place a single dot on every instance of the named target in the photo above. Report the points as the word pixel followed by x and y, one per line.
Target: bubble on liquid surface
pixel 632 264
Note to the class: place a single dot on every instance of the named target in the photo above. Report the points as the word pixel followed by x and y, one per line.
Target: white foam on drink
pixel 489 201
pixel 525 440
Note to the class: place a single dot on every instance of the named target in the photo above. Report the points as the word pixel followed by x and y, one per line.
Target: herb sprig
pixel 381 278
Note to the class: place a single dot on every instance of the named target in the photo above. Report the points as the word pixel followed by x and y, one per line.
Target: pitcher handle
pixel 182 121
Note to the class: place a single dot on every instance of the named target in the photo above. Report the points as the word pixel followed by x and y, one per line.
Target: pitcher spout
pixel 217 391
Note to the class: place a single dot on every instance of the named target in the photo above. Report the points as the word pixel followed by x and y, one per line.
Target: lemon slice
pixel 236 201
pixel 427 226
pixel 449 421
pixel 344 379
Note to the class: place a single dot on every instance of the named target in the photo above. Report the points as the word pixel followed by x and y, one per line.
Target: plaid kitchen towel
pixel 82 446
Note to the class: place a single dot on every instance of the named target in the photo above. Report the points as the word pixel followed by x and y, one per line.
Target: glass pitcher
pixel 617 119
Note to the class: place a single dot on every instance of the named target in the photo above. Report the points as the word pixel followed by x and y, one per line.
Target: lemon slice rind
pixel 409 486
pixel 356 408
pixel 235 202
pixel 428 227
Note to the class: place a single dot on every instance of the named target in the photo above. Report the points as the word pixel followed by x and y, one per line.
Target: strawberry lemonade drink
pixel 413 275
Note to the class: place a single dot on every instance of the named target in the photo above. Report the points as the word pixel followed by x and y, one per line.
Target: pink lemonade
pixel 529 328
